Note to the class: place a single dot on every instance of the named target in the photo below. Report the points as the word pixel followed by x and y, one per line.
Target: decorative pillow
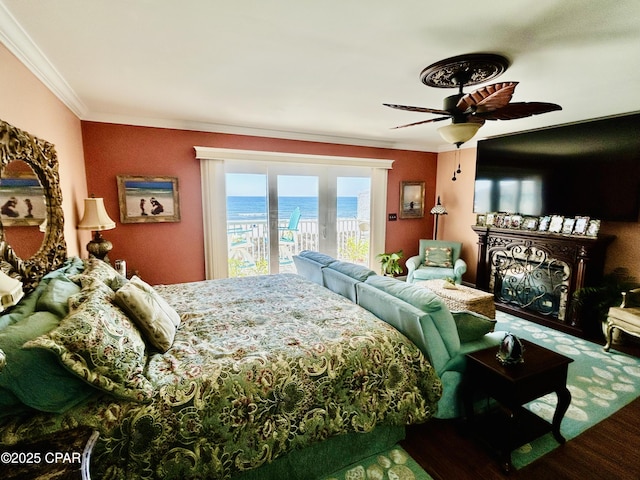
pixel 152 314
pixel 438 257
pixel 92 289
pixel 472 326
pixel 35 377
pixel 100 345
pixel 104 271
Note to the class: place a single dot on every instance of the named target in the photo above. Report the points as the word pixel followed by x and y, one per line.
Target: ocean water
pixel 255 208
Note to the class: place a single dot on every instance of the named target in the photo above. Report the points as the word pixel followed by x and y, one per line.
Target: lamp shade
pixel 438 208
pixel 458 133
pixel 10 291
pixel 95 216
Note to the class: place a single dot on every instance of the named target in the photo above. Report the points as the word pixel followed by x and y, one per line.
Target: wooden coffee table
pixel 542 372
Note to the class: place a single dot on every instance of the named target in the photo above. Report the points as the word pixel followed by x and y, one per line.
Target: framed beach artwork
pixel 412 200
pixel 21 201
pixel 148 199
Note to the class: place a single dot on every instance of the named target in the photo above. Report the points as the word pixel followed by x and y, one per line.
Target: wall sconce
pixel 97 219
pixel 437 210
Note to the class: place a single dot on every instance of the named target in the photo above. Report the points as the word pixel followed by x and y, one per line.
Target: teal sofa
pixel 444 337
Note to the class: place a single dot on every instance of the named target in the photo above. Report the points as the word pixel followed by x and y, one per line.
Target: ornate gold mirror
pixel 22 256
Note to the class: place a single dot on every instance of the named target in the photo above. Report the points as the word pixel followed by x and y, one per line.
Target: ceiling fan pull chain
pixel 459 170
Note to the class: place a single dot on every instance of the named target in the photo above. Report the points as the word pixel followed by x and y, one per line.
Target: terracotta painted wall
pixel 457 197
pixel 173 252
pixel 28 104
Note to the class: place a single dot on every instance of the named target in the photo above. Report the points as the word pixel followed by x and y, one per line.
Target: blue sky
pixel 290 186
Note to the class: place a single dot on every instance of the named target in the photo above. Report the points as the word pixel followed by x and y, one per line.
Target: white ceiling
pixel 320 70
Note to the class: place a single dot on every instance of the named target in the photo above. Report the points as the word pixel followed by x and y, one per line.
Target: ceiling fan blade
pixel 488 98
pixel 519 110
pixel 417 109
pixel 438 119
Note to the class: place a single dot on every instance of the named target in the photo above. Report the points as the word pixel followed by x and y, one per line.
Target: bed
pixel 258 377
pixel 258 367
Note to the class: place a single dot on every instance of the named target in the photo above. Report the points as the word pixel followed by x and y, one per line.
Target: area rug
pixel 395 464
pixel 600 383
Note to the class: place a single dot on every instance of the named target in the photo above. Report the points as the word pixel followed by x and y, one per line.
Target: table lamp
pixel 97 219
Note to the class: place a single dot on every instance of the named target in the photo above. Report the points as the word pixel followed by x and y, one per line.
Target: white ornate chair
pixel 626 317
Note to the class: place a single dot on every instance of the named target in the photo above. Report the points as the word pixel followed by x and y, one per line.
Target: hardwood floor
pixel 609 450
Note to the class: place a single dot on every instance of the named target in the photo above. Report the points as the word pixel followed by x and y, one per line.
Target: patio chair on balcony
pixel 240 247
pixel 287 240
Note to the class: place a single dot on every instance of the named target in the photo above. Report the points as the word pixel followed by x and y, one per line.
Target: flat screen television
pixel 584 169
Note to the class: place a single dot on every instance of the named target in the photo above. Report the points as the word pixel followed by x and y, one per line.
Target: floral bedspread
pixel 259 366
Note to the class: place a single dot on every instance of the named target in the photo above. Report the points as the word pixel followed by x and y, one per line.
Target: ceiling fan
pixel 469 111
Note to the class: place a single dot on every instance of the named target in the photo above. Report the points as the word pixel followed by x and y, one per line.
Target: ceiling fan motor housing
pixel 450 104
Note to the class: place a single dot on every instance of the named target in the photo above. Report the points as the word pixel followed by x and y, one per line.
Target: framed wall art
pixel 148 199
pixel 21 201
pixel 412 200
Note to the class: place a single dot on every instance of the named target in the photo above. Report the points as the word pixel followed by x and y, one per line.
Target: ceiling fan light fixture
pixel 458 133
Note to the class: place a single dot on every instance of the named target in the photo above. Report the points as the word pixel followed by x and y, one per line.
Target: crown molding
pixel 254 132
pixel 18 42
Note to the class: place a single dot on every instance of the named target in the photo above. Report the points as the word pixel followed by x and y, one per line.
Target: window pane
pixel 297 218
pixel 354 218
pixel 247 233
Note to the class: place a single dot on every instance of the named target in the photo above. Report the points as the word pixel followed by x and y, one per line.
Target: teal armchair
pixel 436 259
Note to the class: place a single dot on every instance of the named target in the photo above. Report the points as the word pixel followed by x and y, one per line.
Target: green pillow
pixel 8 400
pixel 36 377
pixel 55 297
pixel 438 257
pixel 472 326
pixel 98 343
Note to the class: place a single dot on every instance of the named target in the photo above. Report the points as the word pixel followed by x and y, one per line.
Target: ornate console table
pixel 534 274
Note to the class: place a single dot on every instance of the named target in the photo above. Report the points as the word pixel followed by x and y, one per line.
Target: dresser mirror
pixel 32 229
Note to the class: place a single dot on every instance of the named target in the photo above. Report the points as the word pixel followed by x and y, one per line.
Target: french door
pixel 367 177
pixel 275 211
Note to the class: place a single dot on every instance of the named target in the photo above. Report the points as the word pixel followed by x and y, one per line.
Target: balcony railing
pixel 249 246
